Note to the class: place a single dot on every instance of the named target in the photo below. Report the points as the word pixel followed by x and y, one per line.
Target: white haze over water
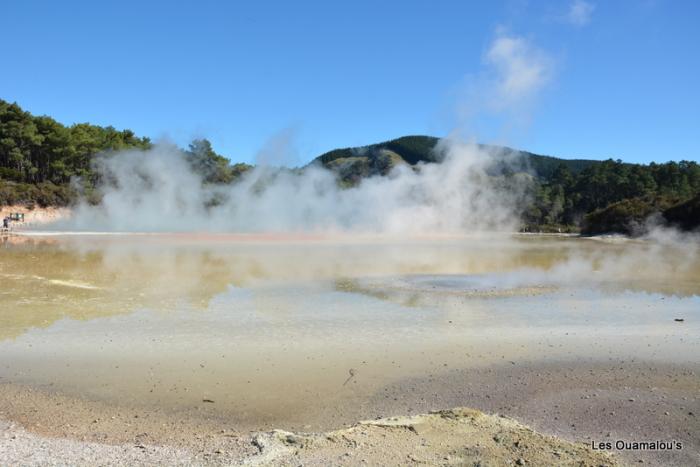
pixel 156 191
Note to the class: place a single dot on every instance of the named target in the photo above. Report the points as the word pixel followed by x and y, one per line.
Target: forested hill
pixel 39 157
pixel 419 148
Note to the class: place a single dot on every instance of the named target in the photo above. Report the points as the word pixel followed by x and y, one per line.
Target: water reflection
pixel 47 279
pixel 157 319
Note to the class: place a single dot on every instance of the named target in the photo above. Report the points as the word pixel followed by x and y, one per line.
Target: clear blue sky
pixel 622 76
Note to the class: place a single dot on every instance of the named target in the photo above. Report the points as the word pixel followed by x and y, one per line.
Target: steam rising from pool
pixel 156 191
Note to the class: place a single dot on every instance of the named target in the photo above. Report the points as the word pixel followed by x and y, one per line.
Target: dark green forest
pixel 42 161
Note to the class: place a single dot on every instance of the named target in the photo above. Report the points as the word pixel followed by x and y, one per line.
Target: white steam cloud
pixel 157 191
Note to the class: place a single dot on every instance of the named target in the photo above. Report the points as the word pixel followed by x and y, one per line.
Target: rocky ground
pixel 578 402
pixel 449 437
pixel 582 401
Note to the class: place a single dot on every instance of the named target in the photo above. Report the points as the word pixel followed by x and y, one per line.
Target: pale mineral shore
pixel 39 217
pixel 458 436
pixel 567 406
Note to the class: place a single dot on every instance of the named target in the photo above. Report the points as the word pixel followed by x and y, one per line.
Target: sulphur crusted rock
pixel 459 436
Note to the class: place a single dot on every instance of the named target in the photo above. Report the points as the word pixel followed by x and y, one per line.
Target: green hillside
pixel 419 148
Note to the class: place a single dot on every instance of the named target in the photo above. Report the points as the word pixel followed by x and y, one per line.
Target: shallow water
pixel 269 327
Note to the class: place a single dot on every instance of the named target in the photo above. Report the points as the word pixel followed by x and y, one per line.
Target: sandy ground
pixel 450 437
pixel 580 403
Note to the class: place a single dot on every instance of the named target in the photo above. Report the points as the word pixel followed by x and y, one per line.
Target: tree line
pixel 40 157
pixel 610 196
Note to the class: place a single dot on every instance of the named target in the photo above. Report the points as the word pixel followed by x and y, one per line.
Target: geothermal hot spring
pixel 303 332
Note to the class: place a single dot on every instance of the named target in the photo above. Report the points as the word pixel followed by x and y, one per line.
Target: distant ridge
pixel 413 149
